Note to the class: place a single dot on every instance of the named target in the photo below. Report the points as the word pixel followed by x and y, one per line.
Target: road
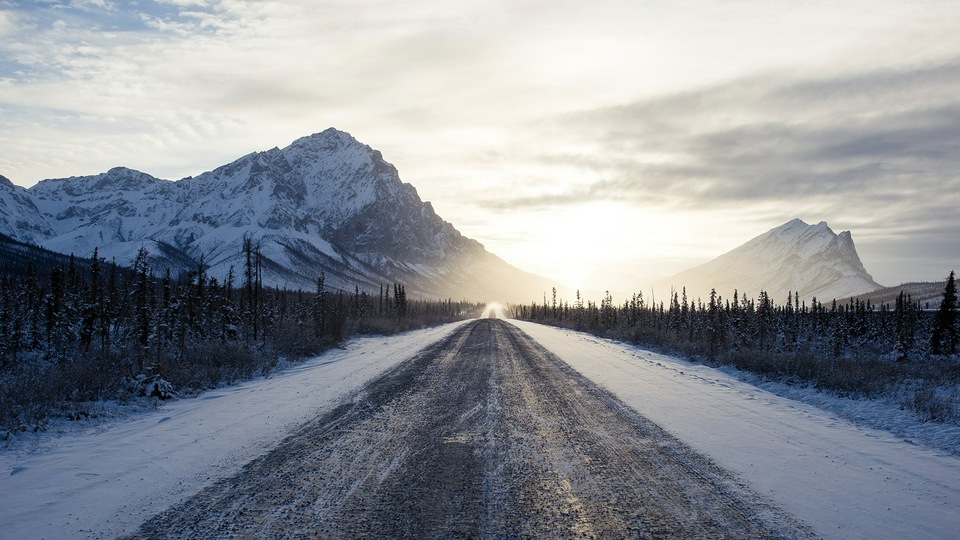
pixel 483 435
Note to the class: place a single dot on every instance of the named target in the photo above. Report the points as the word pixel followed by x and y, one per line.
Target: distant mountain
pixel 928 294
pixel 325 203
pixel 794 257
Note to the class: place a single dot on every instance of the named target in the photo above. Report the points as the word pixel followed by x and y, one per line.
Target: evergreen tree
pixel 905 315
pixel 553 302
pixel 92 304
pixel 945 339
pixel 141 303
pixel 714 324
pixel 320 307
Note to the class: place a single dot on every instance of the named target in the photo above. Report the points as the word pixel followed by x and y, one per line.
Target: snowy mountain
pixel 325 203
pixel 794 257
pixel 19 216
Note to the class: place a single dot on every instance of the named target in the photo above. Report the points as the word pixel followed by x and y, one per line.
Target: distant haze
pixel 605 144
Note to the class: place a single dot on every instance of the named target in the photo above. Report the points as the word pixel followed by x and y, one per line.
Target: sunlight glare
pixel 493 311
pixel 584 246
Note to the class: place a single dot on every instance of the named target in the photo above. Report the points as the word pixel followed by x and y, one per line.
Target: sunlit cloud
pixel 876 150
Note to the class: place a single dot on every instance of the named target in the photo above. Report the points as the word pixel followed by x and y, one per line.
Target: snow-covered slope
pixel 794 257
pixel 325 203
pixel 19 216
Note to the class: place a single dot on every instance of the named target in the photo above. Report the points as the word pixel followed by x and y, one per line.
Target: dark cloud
pixel 867 139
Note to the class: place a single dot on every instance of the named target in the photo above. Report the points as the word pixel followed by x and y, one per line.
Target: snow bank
pixel 843 480
pixel 105 484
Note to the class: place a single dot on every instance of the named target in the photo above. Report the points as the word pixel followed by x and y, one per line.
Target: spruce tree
pixel 319 307
pixel 944 339
pixel 141 304
pixel 54 302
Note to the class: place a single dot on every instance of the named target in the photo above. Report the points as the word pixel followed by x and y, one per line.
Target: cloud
pixel 865 139
pixel 496 107
pixel 875 152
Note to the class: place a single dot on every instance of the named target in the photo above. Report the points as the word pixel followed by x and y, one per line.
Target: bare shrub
pixel 932 406
pixel 290 340
pixel 25 397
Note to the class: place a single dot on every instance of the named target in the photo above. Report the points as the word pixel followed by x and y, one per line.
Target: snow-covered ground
pixel 103 484
pixel 843 480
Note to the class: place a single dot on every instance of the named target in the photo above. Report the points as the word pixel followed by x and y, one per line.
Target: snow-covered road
pixel 842 480
pixel 104 484
pixel 483 435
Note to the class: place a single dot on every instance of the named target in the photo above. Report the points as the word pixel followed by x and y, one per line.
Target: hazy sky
pixel 604 143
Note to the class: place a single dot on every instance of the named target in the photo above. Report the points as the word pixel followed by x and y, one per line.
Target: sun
pixel 598 245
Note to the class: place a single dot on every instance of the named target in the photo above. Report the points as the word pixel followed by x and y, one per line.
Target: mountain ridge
pixel 326 202
pixel 809 260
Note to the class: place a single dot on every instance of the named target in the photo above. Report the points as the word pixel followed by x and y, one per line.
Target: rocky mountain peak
pixel 796 257
pixel 329 142
pixel 325 203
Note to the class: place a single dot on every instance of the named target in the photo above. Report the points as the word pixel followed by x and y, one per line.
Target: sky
pixel 604 144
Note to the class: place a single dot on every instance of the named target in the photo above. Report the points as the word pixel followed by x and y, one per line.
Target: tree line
pixel 855 348
pixel 91 330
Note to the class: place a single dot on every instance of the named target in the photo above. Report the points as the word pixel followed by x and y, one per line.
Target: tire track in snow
pixel 484 434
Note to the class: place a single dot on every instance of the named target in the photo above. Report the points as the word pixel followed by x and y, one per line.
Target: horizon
pixel 602 147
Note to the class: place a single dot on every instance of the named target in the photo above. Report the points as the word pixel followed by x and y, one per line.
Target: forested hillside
pixel 16 258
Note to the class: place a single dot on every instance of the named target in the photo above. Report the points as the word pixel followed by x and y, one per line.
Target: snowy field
pixel 843 480
pixel 104 484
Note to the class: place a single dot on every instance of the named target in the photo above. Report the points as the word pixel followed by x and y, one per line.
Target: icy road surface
pixel 483 435
pixel 845 481
pixel 841 480
pixel 103 484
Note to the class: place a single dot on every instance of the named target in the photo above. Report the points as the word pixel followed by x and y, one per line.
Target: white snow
pixel 19 213
pixel 289 201
pixel 107 483
pixel 843 480
pixel 795 257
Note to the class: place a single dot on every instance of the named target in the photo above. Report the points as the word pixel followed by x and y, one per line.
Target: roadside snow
pixel 104 484
pixel 872 413
pixel 843 480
